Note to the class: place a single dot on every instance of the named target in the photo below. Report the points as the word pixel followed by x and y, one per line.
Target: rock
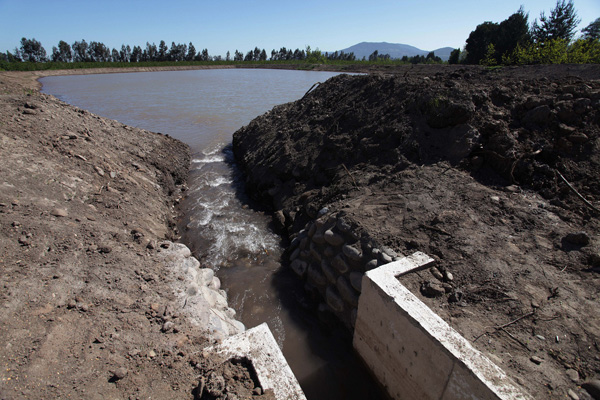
pixel 372 264
pixel 333 238
pixel 356 280
pixel 343 226
pixel 578 138
pixel 578 238
pixel 322 211
pixel 316 276
pixel 99 170
pixel 572 394
pixel 328 271
pixel 436 273
pixel 299 267
pixel 167 326
pixel 593 388
pixel 59 212
pixel 103 248
pixel 346 291
pixel 318 238
pixel 334 300
pixel 384 258
pixel 151 354
pixel 339 264
pixel 352 253
pixel 215 284
pixel 215 385
pixel 295 254
pixel 573 375
pixel 430 289
pixel 119 374
pixel 538 116
pixel 448 276
pixel 536 360
pixel 24 241
pixel 257 391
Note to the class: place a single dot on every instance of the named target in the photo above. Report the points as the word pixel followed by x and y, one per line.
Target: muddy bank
pixel 96 299
pixel 483 170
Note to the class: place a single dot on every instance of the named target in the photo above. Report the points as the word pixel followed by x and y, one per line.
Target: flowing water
pixel 203 108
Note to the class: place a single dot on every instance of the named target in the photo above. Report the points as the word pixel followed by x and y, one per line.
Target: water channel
pixel 225 232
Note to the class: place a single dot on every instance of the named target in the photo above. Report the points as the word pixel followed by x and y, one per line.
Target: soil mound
pixel 492 172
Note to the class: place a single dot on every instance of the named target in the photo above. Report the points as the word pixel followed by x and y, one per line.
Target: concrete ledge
pixel 412 351
pixel 259 346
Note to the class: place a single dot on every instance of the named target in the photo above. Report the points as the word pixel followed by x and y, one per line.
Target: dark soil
pixel 486 171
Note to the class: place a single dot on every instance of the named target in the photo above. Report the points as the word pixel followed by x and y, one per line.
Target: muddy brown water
pixel 203 108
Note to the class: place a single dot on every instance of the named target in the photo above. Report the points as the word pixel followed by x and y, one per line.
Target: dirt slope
pixel 470 166
pixel 86 300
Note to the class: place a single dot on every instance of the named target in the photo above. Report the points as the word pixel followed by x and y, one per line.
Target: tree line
pixel 549 39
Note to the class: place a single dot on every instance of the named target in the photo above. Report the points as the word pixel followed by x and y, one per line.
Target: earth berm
pixel 493 172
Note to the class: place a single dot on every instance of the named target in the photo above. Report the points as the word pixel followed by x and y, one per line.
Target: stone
pixel 312 230
pixel 329 272
pixel 119 374
pixel 573 375
pixel 316 276
pixel 352 253
pixel 59 212
pixel 318 238
pixel 322 211
pixel 215 284
pixel 339 264
pixel 384 258
pixel 448 276
pixel 593 388
pixel 430 289
pixel 538 116
pixel 329 252
pixel 372 264
pixel 536 360
pixel 295 254
pixel 333 299
pixel 167 326
pixel 572 394
pixel 578 138
pixel 436 273
pixel 333 238
pixel 151 354
pixel 346 291
pixel 205 276
pixel 356 280
pixel 343 226
pixel 299 267
pixel 99 170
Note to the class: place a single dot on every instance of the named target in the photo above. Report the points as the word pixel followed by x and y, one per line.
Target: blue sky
pixel 222 25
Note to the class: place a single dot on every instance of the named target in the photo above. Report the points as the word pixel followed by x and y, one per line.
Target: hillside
pixel 395 50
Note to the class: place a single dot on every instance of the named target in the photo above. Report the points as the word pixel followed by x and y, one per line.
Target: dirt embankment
pixel 87 303
pixel 493 173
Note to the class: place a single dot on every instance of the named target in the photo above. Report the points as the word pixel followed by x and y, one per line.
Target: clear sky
pixel 222 25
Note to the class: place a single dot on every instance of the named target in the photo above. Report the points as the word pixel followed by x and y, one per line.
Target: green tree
pixel 191 54
pixel 80 51
pixel 561 23
pixel 479 40
pixel 163 51
pixel 512 31
pixel 32 51
pixel 454 56
pixel 62 53
pixel 592 31
pixel 114 55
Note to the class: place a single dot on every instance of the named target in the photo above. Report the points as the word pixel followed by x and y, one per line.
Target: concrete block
pixel 259 346
pixel 412 351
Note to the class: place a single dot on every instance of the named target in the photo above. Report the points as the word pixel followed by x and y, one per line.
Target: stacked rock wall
pixel 332 258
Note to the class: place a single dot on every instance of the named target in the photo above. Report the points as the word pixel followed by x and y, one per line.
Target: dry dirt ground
pixel 84 204
pixel 486 171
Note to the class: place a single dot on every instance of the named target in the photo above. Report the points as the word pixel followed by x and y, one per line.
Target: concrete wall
pixel 412 351
pixel 259 346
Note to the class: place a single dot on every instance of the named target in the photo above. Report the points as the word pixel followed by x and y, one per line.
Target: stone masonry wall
pixel 331 258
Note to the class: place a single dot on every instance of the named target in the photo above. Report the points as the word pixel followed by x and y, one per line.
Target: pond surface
pixel 203 108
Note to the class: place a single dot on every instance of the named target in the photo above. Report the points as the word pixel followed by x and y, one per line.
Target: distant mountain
pixel 395 50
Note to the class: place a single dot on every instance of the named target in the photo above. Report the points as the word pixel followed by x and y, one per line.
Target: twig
pixel 433 228
pixel 590 205
pixel 501 327
pixel 311 88
pixel 350 175
pixel 515 338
